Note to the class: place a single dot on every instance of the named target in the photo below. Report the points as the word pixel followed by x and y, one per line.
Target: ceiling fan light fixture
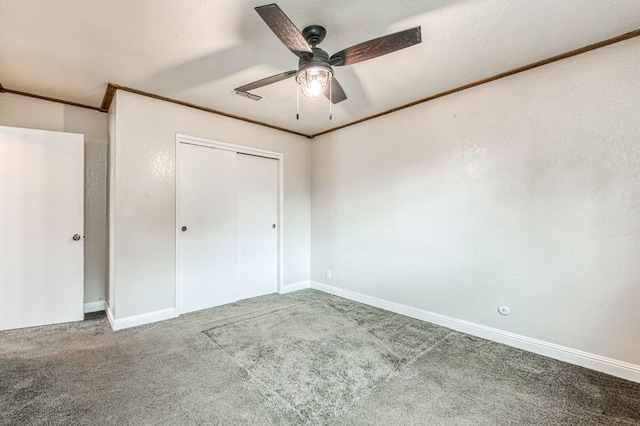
pixel 314 80
pixel 315 73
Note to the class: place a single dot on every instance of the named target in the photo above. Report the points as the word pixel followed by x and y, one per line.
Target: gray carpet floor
pixel 306 358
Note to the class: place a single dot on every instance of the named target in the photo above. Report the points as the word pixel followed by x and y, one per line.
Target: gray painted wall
pixel 523 192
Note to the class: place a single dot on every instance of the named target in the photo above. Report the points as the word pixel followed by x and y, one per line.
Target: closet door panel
pixel 207 230
pixel 257 184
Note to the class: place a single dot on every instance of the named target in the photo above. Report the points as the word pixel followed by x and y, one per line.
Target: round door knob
pixel 184 228
pixel 76 237
pixel 273 226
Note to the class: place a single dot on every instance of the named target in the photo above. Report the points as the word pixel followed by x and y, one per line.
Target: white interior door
pixel 207 213
pixel 257 219
pixel 41 209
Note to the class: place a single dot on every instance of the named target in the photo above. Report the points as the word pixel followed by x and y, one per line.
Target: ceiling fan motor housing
pixel 319 59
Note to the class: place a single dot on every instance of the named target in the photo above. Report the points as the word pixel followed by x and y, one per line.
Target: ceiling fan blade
pixel 337 92
pixel 282 27
pixel 377 47
pixel 265 81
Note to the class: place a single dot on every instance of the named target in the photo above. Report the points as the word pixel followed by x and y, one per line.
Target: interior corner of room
pixel 508 210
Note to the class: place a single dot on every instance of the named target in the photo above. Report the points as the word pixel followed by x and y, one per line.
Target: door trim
pixel 240 149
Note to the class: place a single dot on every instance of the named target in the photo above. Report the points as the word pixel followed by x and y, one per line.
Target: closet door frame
pixel 192 140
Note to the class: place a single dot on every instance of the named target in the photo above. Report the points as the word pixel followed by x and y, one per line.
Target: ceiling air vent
pixel 247 95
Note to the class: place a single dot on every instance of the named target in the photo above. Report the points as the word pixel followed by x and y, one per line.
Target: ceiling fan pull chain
pixel 297 102
pixel 330 103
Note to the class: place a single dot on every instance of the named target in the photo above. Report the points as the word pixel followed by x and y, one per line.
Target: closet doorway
pixel 228 234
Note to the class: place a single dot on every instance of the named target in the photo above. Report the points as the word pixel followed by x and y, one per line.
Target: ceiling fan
pixel 315 73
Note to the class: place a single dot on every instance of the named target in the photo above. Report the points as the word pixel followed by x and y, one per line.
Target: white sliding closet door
pixel 227 237
pixel 257 219
pixel 41 227
pixel 207 229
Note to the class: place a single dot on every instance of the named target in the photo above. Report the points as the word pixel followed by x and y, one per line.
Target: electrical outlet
pixel 328 274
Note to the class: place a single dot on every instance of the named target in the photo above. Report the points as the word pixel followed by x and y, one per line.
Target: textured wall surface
pixel 523 192
pixel 21 111
pixel 143 196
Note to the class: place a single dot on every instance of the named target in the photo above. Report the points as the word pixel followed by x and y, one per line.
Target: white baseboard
pixel 300 285
pixel 573 356
pixel 136 320
pixel 94 306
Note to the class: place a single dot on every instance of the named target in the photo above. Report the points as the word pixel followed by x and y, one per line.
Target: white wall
pixel 22 111
pixel 143 196
pixel 523 192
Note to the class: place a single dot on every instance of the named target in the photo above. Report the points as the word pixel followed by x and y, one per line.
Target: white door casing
pixel 41 209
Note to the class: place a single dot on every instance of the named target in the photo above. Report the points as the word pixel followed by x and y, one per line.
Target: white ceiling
pixel 198 51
